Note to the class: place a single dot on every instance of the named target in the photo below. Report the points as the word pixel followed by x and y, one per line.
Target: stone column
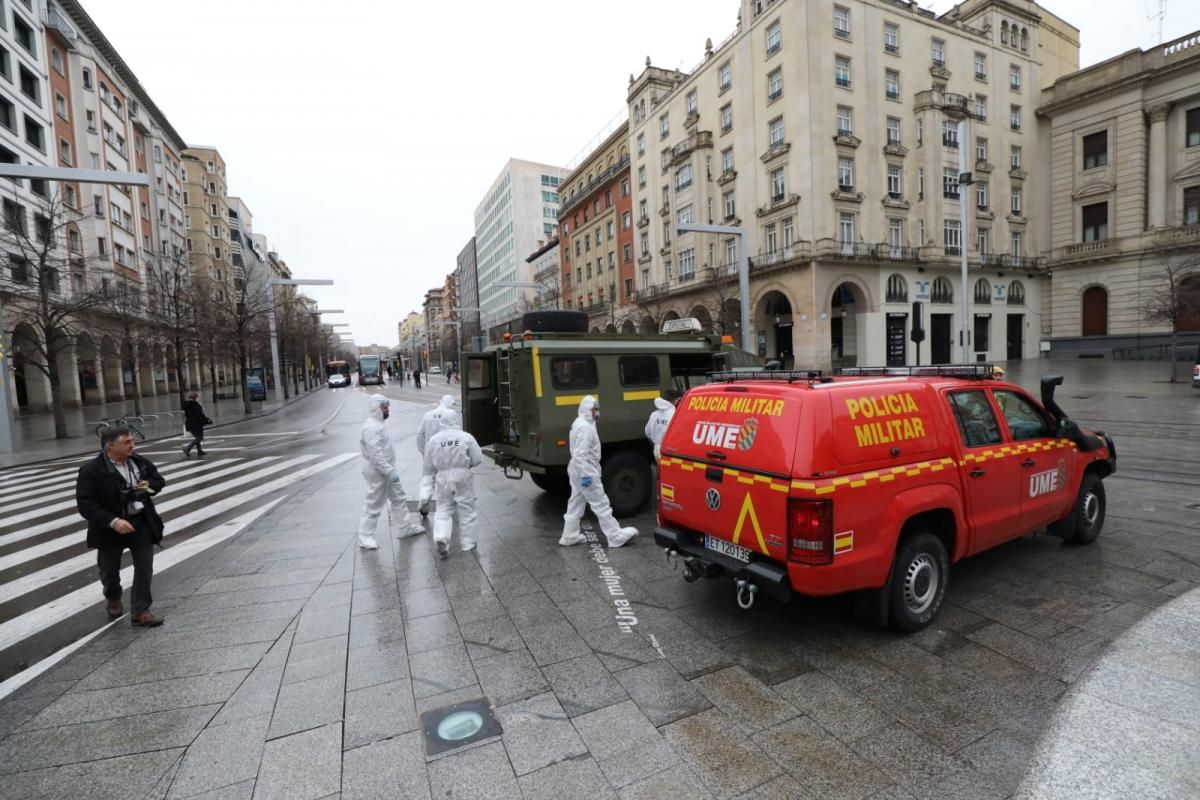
pixel 1157 157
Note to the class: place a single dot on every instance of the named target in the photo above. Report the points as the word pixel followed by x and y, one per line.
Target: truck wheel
pixel 557 321
pixel 919 577
pixel 626 479
pixel 553 481
pixel 1089 511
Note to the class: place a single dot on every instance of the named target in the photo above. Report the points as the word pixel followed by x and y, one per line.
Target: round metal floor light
pixel 452 727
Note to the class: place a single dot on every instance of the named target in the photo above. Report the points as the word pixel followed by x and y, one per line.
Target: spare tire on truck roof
pixel 555 321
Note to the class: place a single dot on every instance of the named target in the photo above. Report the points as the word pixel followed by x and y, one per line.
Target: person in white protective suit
pixel 660 418
pixel 383 480
pixel 449 456
pixel 429 428
pixel 586 489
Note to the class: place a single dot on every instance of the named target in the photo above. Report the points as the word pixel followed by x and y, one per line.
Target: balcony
pixel 769 259
pixel 778 201
pixel 898 253
pixel 57 21
pixel 727 176
pixel 950 141
pixel 894 148
pixel 846 138
pixel 579 197
pixel 776 150
pixel 643 222
pixel 1089 249
pixel 938 69
pixel 833 248
pixel 695 141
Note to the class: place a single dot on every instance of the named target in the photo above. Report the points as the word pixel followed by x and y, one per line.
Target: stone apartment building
pixel 830 132
pixel 1122 150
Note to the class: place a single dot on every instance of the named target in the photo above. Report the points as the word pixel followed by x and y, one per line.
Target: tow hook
pixel 689 573
pixel 745 594
pixel 672 557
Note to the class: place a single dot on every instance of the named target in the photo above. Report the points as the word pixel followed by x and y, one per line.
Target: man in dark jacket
pixel 194 421
pixel 113 493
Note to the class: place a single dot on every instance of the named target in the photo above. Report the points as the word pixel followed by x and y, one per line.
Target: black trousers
pixel 197 440
pixel 108 559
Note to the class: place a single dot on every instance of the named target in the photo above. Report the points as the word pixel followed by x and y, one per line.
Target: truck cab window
pixel 976 422
pixel 574 372
pixel 638 370
pixel 478 374
pixel 1024 419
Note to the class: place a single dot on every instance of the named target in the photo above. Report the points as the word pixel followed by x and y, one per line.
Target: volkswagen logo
pixel 712 498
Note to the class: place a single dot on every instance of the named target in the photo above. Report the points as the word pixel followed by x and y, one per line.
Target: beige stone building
pixel 206 209
pixel 829 131
pixel 1121 143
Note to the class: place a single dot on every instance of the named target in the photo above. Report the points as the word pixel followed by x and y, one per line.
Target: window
pixel 950 183
pixel 846 230
pixel 74 241
pixel 775 85
pixel 891 38
pixel 726 118
pixel 683 178
pixel 981 107
pixel 981 148
pixel 687 264
pixel 627 253
pixel 14 216
pixel 627 220
pixel 952 237
pixel 8 114
pixel 1024 419
pixel 893 130
pixel 1015 204
pixel 685 215
pixel 1095 222
pixel 841 22
pixel 1016 244
pixel 1095 150
pixel 950 133
pixel 1014 117
pixel 34 134
pixel 778 186
pixel 1193 127
pixel 642 177
pixel 30 86
pixel 18 268
pixel 942 292
pixel 845 121
pixel 24 35
pixel 730 205
pixel 981 196
pixel 841 71
pixel 937 52
pixel 846 174
pixel 609 230
pixel 775 132
pixel 920 131
pixel 1014 77
pixel 1014 157
pixel 727 160
pixel 87 79
pixel 102 246
pixel 772 239
pixel 920 182
pixel 1191 205
pixel 774 37
pixel 980 67
pixel 731 251
pixel 641 144
pixel 976 421
pixel 5 64
pixel 693 103
pixel 664 126
pixel 893 181
pixel 891 82
pixel 628 283
pixel 983 294
pixel 1016 294
pixel 724 77
pixel 60 105
pixel 645 244
pixel 896 241
pixel 983 239
pixel 64 151
pixel 641 212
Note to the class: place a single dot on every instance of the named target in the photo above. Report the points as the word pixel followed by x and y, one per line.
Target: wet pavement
pixel 294 665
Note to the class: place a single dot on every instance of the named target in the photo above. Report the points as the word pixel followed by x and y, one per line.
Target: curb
pixel 163 438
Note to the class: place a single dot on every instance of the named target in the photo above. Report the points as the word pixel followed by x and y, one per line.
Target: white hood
pixel 450 420
pixel 586 405
pixel 375 404
pixel 663 405
pixel 448 401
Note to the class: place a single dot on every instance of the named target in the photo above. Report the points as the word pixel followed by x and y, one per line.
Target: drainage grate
pixel 458 725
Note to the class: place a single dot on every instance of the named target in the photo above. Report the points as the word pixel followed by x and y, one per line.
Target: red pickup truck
pixel 871 482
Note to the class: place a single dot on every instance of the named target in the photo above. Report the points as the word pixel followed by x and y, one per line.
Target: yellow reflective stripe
pixel 649 394
pixel 537 374
pixel 572 399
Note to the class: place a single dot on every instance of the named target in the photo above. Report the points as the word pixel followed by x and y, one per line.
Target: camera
pixel 131 496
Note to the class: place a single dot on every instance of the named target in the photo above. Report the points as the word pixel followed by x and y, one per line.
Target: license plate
pixel 727 548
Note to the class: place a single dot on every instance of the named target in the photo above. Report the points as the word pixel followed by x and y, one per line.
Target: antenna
pixel 1160 17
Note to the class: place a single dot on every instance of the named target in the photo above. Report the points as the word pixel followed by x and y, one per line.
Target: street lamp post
pixel 743 271
pixel 271 284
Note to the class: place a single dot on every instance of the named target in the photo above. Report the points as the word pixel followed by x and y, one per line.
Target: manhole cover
pixel 458 725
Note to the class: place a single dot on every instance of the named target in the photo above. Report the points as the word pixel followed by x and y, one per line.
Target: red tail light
pixel 810 531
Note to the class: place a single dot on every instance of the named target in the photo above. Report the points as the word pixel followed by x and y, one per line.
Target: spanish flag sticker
pixel 667 491
pixel 843 542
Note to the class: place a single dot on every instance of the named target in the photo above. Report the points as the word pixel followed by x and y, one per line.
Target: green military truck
pixel 520 397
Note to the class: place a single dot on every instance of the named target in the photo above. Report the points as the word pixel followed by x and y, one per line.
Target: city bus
pixel 337 374
pixel 369 371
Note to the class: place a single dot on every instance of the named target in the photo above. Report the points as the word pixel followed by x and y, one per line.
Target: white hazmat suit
pixel 429 428
pixel 656 426
pixel 586 489
pixel 383 480
pixel 449 456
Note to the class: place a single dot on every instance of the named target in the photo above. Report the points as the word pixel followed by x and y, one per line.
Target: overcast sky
pixel 363 136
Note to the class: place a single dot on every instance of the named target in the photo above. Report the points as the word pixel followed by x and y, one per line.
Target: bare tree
pixel 207 299
pixel 653 305
pixel 720 286
pixel 244 312
pixel 1177 299
pixel 123 302
pixel 35 293
pixel 171 308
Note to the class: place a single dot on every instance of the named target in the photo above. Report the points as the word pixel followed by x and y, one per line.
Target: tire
pixel 1087 517
pixel 557 321
pixel 553 481
pixel 627 482
pixel 920 575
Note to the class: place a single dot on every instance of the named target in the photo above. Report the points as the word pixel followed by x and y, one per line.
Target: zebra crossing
pixel 47 574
